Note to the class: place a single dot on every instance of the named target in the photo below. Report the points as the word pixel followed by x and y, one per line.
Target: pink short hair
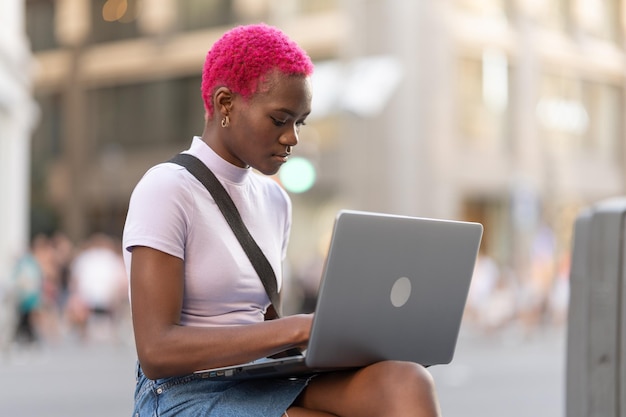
pixel 243 55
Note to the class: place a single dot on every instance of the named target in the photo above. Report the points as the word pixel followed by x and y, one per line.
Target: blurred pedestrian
pixel 536 286
pixel 560 292
pixel 27 279
pixel 64 255
pixel 98 288
pixel 49 314
pixel 484 281
pixel 501 307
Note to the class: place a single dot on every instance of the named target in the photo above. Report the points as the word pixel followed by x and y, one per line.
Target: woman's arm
pixel 165 348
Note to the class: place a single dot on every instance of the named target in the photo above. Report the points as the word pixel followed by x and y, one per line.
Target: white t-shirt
pixel 171 211
pixel 100 277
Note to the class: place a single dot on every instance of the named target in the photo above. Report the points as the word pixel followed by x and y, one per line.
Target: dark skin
pixel 261 133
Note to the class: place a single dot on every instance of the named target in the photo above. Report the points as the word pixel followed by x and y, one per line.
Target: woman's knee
pixel 400 380
pixel 401 369
pixel 405 389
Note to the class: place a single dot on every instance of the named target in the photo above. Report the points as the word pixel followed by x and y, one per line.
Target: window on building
pixel 584 116
pixel 484 8
pixel 600 19
pixel 483 100
pixel 199 14
pixel 40 24
pixel 562 116
pixel 494 213
pixel 603 136
pixel 307 6
pixel 46 139
pixel 46 148
pixel 159 113
pixel 114 20
pixel 552 14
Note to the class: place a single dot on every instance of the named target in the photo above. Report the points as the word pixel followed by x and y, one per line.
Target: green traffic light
pixel 297 175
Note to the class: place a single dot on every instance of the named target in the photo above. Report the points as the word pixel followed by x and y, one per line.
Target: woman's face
pixel 264 128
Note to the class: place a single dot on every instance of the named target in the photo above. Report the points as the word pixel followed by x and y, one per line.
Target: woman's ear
pixel 223 101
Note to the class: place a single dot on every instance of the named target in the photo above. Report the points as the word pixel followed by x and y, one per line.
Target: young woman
pixel 197 302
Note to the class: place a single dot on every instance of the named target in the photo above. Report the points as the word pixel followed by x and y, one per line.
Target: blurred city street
pixel 498 375
pixel 68 380
pixel 505 375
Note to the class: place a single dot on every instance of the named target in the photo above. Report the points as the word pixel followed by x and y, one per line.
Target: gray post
pixel 596 342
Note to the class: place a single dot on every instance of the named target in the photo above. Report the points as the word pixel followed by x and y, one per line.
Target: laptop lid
pixel 394 287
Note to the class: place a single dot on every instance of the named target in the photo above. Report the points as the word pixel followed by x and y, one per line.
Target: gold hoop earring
pixel 225 121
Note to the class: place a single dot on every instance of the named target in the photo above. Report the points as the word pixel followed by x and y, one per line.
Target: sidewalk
pixel 68 380
pixel 505 375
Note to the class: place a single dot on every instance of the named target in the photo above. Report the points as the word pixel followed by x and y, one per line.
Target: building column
pixel 72 28
pixel 18 116
pixel 394 157
pixel 528 173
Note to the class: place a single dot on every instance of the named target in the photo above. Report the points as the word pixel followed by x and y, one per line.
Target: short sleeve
pixel 159 211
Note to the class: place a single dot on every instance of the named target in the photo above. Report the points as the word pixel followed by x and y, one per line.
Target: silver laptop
pixel 393 288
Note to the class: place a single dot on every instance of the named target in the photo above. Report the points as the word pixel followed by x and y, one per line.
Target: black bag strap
pixel 233 218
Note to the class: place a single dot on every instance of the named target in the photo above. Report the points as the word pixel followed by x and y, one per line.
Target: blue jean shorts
pixel 193 396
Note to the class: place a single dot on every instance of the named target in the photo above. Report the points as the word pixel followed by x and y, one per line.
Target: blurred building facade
pixel 18 116
pixel 505 112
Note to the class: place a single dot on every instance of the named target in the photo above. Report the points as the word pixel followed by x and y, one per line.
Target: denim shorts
pixel 193 396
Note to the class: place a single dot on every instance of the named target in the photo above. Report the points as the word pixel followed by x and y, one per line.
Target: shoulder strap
pixel 230 212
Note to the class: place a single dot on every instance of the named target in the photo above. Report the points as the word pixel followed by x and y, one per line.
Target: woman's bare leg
pixel 384 389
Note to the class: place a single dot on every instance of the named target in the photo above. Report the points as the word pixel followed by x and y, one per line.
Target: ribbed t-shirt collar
pixel 220 167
